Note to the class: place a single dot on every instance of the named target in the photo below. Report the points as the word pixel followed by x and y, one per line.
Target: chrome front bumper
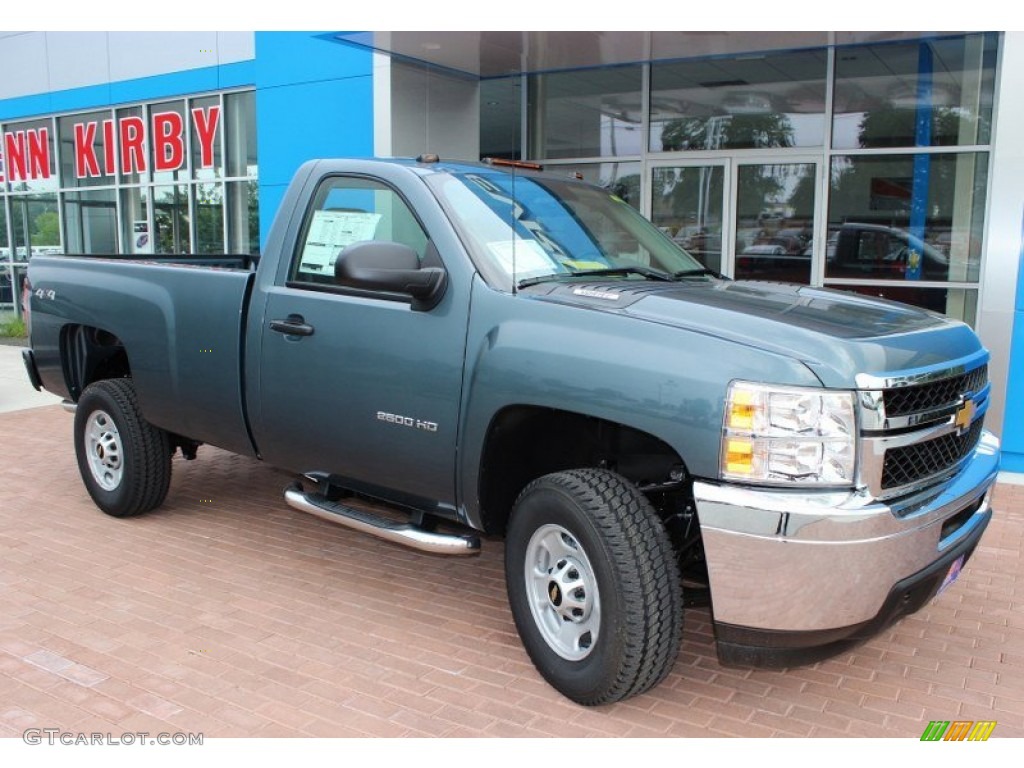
pixel 812 563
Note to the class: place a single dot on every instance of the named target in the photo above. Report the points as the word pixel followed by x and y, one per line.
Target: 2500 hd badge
pixel 407 421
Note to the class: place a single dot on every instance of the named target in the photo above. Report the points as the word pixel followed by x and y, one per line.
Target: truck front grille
pixel 916 435
pixel 924 397
pixel 915 462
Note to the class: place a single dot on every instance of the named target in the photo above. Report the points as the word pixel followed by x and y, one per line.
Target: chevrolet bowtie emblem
pixel 964 416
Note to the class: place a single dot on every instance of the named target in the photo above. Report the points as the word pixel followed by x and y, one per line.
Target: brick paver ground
pixel 226 612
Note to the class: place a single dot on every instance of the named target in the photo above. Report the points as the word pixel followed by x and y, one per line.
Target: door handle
pixel 293 325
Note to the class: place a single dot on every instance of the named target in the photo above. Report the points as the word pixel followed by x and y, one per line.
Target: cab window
pixel 351 210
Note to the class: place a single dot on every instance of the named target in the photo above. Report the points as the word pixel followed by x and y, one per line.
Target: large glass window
pixel 889 141
pixel 744 102
pixel 171 219
pixel 501 108
pixel 5 248
pixel 135 232
pixel 35 225
pixel 907 217
pixel 209 219
pixel 243 216
pixel 241 138
pixel 90 221
pixel 587 113
pixel 6 270
pixel 922 94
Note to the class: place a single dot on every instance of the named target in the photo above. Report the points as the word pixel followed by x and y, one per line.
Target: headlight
pixel 789 435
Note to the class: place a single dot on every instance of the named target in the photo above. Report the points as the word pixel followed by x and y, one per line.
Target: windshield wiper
pixel 702 272
pixel 648 272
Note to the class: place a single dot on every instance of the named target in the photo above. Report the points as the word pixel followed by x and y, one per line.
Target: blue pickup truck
pixel 440 349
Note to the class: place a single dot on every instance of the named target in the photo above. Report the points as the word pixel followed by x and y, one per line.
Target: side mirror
pixel 379 265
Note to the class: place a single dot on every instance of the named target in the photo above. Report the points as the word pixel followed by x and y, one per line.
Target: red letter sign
pixel 133 158
pixel 206 129
pixel 14 153
pixel 108 147
pixel 25 155
pixel 168 141
pixel 86 163
pixel 39 153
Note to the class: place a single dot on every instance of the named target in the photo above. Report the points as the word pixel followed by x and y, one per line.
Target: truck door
pixel 356 382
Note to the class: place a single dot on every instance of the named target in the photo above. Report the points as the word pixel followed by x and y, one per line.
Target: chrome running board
pixel 381 527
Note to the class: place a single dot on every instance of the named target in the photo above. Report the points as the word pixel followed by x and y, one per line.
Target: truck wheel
pixel 124 460
pixel 593 585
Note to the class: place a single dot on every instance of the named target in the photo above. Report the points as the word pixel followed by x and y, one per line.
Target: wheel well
pixel 90 354
pixel 527 442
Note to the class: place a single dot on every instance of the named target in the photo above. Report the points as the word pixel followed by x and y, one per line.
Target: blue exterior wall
pixel 314 98
pixel 1013 422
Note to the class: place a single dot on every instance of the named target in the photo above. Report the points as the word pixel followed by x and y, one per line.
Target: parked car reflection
pixel 781 256
pixel 879 252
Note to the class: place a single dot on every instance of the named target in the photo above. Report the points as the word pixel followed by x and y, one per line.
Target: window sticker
pixel 531 259
pixel 330 232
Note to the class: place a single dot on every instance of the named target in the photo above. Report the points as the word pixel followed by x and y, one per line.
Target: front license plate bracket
pixel 952 574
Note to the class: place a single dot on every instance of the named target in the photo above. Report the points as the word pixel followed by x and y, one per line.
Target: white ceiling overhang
pixel 499 54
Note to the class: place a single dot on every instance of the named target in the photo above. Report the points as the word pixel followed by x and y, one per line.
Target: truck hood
pixel 836 334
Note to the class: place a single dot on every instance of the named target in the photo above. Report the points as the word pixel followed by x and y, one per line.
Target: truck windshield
pixel 523 229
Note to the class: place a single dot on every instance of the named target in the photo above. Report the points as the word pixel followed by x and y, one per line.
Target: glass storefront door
pixel 688 204
pixel 750 220
pixel 773 234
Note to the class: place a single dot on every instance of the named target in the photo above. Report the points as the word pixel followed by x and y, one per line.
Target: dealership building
pixel 889 164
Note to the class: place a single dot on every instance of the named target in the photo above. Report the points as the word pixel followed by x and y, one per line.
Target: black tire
pixel 125 461
pixel 613 536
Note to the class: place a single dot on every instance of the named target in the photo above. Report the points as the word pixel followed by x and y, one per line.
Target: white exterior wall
pixel 1005 218
pixel 42 62
pixel 433 112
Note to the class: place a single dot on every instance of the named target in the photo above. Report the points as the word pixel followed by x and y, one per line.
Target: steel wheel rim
pixel 103 450
pixel 562 592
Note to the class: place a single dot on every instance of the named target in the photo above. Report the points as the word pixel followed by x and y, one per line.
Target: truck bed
pixel 179 321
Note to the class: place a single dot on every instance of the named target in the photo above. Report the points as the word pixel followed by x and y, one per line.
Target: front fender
pixel 661 380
